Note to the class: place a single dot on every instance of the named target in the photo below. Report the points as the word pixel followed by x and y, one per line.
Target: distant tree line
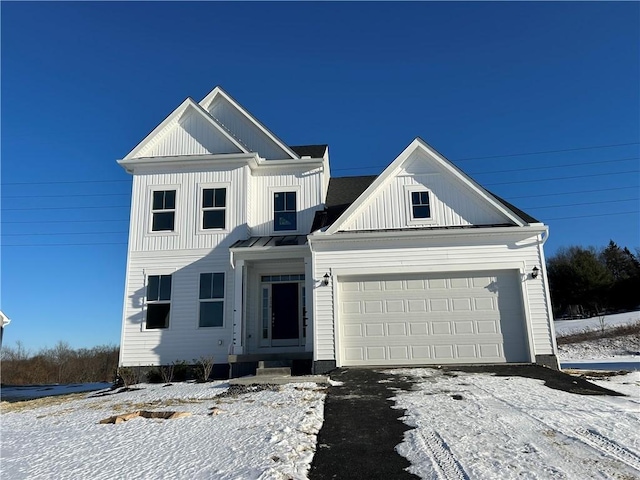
pixel 60 364
pixel 591 281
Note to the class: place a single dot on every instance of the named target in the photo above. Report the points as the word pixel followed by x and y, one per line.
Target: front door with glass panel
pixel 283 310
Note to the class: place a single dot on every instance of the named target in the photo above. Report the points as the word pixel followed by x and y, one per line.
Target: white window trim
pixel 227 209
pixel 408 190
pixel 146 302
pixel 211 300
pixel 284 189
pixel 176 216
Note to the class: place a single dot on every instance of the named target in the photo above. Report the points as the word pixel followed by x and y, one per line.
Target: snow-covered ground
pixel 565 327
pixel 617 353
pixel 469 426
pixel 269 434
pixel 464 426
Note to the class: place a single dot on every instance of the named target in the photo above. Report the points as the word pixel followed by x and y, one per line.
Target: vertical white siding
pixel 245 131
pixel 183 340
pixel 452 204
pixel 308 186
pixel 190 134
pixel 187 234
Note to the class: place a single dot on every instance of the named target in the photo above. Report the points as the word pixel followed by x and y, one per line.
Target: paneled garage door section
pixel 432 319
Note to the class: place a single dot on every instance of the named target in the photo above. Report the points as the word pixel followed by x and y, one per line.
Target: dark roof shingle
pixel 313 151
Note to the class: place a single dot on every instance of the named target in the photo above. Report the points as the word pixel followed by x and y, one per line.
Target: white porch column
pixel 237 347
pixel 309 286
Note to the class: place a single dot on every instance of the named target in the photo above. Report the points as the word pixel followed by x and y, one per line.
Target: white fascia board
pixel 218 91
pixel 180 161
pixel 189 102
pixel 283 165
pixel 524 231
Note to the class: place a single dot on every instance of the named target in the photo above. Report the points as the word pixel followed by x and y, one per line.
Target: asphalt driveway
pixel 361 429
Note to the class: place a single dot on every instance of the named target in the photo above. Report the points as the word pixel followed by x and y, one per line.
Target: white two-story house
pixel 244 248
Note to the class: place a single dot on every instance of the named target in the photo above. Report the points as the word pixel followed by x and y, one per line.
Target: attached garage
pixel 434 318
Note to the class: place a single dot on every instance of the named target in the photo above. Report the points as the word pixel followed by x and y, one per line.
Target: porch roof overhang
pixel 270 248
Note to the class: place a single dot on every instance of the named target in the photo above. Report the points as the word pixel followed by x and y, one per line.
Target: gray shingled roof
pixel 313 151
pixel 343 191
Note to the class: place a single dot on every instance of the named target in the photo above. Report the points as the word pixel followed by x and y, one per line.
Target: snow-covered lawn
pixel 614 353
pixel 565 327
pixel 268 434
pixel 480 426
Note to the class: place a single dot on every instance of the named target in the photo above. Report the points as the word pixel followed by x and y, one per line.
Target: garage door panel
pixel 431 318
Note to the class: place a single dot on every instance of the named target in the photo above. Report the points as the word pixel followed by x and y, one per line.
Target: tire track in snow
pixel 605 445
pixel 589 437
pixel 441 455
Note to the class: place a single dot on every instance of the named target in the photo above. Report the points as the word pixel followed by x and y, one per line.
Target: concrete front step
pixel 274 371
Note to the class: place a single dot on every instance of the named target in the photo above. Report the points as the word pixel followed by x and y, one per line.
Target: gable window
pixel 420 208
pixel 284 211
pixel 163 210
pixel 211 300
pixel 214 201
pixel 158 301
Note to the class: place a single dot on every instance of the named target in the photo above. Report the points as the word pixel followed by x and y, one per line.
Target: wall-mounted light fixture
pixel 325 279
pixel 534 272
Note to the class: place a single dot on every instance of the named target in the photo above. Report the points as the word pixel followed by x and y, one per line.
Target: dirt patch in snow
pixel 144 414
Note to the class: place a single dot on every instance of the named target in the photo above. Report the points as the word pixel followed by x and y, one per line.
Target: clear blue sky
pixel 83 83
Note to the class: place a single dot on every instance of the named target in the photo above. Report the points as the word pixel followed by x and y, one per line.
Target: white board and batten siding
pixel 252 138
pixel 189 133
pixel 452 201
pixel 380 261
pixel 188 233
pixel 308 188
pixel 183 339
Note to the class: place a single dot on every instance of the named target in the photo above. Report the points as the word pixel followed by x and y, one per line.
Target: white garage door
pixel 469 317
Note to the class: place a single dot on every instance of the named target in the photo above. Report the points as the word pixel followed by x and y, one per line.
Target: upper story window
pixel 214 202
pixel 211 300
pixel 158 301
pixel 284 211
pixel 420 207
pixel 163 210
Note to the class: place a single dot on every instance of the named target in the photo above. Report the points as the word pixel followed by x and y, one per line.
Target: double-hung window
pixel 211 300
pixel 420 207
pixel 164 210
pixel 158 301
pixel 214 201
pixel 284 211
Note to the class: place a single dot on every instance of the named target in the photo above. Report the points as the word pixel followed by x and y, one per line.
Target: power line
pixel 60 233
pixel 562 178
pixel 576 149
pixel 62 244
pixel 66 208
pixel 506 156
pixel 67 182
pixel 125 243
pixel 70 195
pixel 585 203
pixel 549 151
pixel 593 215
pixel 583 164
pixel 31 222
pixel 608 189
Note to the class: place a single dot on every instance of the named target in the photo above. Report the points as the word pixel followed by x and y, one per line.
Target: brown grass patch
pixel 609 332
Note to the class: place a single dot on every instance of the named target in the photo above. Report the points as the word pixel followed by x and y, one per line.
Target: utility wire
pixel 31 222
pixel 608 189
pixel 562 178
pixel 583 164
pixel 576 149
pixel 60 233
pixel 585 203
